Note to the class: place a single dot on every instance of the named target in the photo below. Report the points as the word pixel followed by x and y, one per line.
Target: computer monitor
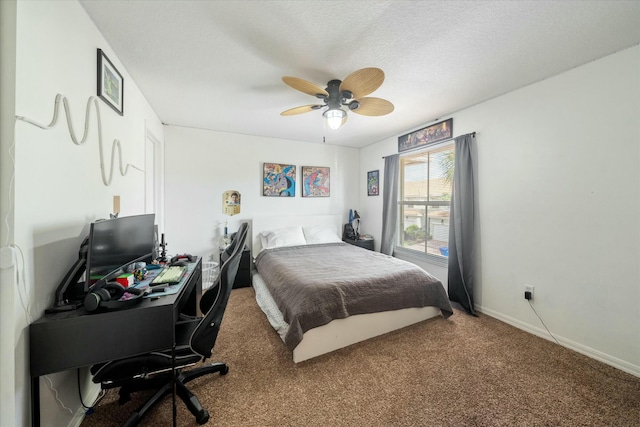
pixel 115 243
pixel 111 245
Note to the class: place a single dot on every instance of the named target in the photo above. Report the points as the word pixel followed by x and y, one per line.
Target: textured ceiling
pixel 218 64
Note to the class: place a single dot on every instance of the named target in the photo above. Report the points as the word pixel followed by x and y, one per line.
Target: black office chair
pixel 195 339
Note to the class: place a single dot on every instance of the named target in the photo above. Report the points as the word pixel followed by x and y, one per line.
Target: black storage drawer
pixel 367 244
pixel 243 277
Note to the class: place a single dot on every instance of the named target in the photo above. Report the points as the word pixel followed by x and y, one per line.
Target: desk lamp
pixel 356 216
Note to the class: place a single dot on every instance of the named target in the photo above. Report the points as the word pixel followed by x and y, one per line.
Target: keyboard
pixel 169 275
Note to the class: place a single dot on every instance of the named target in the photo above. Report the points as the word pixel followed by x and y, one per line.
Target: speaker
pixel 107 297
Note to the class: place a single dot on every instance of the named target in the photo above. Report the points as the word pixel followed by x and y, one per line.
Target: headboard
pixel 271 222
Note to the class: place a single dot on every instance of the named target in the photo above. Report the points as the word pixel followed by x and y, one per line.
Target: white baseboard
pixel 587 351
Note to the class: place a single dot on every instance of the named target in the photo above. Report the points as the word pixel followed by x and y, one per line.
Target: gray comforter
pixel 314 284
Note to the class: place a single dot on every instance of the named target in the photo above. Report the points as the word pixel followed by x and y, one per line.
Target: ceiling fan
pixel 351 92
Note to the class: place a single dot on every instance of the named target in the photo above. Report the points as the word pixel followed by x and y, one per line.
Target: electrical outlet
pixel 528 292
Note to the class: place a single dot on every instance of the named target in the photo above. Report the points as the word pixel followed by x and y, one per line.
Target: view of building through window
pixel 426 182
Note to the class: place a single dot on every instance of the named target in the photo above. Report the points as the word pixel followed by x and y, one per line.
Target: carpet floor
pixel 462 371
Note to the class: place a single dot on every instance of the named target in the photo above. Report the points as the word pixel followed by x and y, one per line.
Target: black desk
pixel 74 339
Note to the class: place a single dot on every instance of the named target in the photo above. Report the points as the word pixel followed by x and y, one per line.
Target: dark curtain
pixel 461 226
pixel 390 204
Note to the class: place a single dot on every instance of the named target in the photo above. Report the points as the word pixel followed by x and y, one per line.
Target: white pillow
pixel 288 236
pixel 320 234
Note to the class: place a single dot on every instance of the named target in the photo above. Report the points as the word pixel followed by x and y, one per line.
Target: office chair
pixel 195 339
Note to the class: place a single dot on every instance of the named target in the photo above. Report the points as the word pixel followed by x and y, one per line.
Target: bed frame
pixel 338 333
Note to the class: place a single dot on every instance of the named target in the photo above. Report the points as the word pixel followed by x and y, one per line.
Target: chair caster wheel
pixel 203 417
pixel 224 371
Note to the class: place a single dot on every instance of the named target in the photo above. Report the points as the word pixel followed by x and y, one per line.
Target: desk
pixel 74 339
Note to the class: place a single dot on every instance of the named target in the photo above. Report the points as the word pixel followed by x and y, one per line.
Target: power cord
pixel 543 324
pixel 21 282
pixel 89 409
pixel 595 368
pixel 20 274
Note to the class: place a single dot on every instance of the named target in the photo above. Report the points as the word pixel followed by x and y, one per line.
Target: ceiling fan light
pixel 334 118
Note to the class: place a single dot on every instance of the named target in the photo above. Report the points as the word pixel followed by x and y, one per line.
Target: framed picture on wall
pixel 278 180
pixel 315 181
pixel 373 183
pixel 425 136
pixel 110 84
pixel 231 202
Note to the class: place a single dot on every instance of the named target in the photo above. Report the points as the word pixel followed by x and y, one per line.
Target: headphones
pixel 108 296
pixel 177 258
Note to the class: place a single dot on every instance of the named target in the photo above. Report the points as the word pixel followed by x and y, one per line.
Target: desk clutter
pixel 114 253
pixel 115 263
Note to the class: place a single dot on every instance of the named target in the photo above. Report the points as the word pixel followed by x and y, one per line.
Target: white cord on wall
pixel 116 143
pixel 22 283
pixel 11 187
pixel 56 395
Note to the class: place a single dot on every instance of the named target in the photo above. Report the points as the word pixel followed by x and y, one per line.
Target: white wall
pixel 201 165
pixel 7 276
pixel 58 185
pixel 559 206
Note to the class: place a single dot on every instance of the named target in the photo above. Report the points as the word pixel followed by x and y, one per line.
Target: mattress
pixel 312 285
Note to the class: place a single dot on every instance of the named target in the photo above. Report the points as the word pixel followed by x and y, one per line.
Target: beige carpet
pixel 463 371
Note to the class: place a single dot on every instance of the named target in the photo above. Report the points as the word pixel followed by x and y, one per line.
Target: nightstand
pixel 367 244
pixel 243 277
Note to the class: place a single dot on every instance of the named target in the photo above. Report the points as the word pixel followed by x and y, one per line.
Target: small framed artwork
pixel 278 180
pixel 110 84
pixel 426 136
pixel 373 183
pixel 315 181
pixel 231 202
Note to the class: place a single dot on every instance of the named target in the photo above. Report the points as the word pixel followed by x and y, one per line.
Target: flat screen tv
pixel 115 243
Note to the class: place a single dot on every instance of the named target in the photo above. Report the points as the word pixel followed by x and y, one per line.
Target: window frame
pixel 405 252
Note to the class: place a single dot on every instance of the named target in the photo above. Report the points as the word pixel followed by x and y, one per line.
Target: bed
pixel 321 294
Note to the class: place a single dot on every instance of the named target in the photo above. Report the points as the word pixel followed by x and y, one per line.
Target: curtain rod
pixel 473 135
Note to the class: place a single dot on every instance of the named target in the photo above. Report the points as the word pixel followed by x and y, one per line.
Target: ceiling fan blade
pixel 373 107
pixel 305 86
pixel 363 82
pixel 300 110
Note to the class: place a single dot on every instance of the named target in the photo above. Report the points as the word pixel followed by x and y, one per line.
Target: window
pixel 426 183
